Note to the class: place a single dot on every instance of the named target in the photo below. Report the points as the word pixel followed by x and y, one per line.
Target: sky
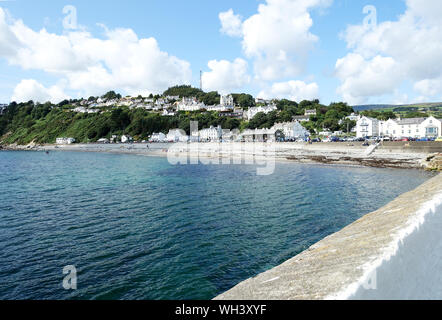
pixel 356 51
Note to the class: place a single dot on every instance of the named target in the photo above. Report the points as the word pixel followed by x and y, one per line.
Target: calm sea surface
pixel 139 228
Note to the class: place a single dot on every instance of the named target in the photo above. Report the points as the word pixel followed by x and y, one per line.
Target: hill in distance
pixel 432 106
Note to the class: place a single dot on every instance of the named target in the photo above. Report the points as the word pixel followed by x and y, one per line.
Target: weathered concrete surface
pixel 338 264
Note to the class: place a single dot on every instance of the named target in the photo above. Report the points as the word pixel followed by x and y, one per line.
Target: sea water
pixel 137 227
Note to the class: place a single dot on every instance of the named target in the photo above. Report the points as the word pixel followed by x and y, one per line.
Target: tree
pixel 416 114
pixel 347 125
pixel 243 100
pixel 119 119
pixel 111 95
pixel 210 99
pixel 182 91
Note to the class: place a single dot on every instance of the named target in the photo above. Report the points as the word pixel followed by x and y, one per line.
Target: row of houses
pixel 279 132
pixel 192 104
pixel 430 127
pixel 225 108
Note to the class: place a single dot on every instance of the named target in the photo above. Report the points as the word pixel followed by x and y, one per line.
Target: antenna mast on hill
pixel 201 80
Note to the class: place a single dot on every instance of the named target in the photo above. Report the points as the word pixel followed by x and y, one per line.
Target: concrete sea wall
pixel 392 253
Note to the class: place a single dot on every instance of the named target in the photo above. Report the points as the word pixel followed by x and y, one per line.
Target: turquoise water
pixel 139 228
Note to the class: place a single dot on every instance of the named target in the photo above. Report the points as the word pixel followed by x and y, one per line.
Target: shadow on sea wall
pixel 414 271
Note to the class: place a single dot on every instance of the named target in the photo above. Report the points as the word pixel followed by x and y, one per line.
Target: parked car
pixel 438 139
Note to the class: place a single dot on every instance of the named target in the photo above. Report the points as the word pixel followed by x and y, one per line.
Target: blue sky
pixel 190 31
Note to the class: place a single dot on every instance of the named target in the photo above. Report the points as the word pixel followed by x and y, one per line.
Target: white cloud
pixel 362 79
pixel 429 87
pixel 8 41
pixel 230 23
pixel 393 52
pixel 294 90
pixel 30 89
pixel 90 65
pixel 278 37
pixel 226 76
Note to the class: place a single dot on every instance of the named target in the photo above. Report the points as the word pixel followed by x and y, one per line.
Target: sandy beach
pixel 388 155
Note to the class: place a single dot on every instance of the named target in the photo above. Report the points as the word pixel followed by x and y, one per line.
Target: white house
pixel 219 108
pixel 310 112
pixel 431 127
pixel 167 113
pixel 226 100
pixel 65 140
pixel 411 128
pixel 353 117
pixel 190 104
pixel 260 135
pixel 303 118
pixel 177 135
pixel 158 137
pixel 126 138
pixel 211 134
pixel 252 112
pixel 367 127
pixel 262 101
pixel 292 130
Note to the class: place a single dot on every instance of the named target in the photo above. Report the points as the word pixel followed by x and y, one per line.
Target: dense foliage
pixel 26 122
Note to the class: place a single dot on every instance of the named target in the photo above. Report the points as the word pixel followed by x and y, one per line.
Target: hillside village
pixel 112 118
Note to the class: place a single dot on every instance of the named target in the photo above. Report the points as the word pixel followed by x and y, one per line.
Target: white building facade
pixel 399 128
pixel 190 104
pixel 177 135
pixel 211 134
pixel 411 128
pixel 367 127
pixel 292 130
pixel 252 112
pixel 65 140
pixel 158 137
pixel 226 101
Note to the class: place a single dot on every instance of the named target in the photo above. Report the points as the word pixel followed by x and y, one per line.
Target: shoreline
pixel 347 154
